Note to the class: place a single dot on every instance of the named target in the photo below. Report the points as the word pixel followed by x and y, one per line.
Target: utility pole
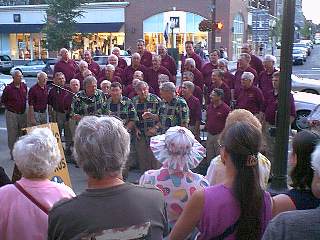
pixel 213 19
pixel 279 180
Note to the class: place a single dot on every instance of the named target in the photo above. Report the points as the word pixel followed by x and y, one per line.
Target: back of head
pixel 303 145
pixel 242 143
pixel 101 146
pixel 242 115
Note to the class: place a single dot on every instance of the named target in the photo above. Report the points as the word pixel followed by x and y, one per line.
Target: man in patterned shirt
pixel 173 111
pixel 88 101
pixel 145 127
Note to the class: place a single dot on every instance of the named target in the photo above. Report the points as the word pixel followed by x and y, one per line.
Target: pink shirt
pixel 21 218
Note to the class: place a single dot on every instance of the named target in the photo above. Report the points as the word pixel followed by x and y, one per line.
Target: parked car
pixel 297 56
pixel 48 68
pixel 5 64
pixel 31 68
pixel 305 103
pixel 304 51
pixel 305 84
pixel 308 42
pixel 303 45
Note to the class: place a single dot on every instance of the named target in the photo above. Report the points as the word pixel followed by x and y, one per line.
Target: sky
pixel 310 10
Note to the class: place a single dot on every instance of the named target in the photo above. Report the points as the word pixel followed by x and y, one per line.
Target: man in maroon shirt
pixel 244 66
pixel 210 66
pixel 217 82
pixel 121 62
pixel 108 73
pixel 83 66
pixel 217 113
pixel 265 78
pixel 270 114
pixel 65 65
pixel 14 98
pixel 197 92
pixel 228 77
pixel 190 65
pixel 114 60
pixel 92 65
pixel 250 97
pixel 194 108
pixel 167 61
pixel 255 61
pixel 190 53
pixel 151 76
pixel 146 56
pixel 127 76
pixel 38 101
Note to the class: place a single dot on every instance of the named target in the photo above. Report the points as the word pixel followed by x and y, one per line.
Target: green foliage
pixel 60 22
pixel 306 30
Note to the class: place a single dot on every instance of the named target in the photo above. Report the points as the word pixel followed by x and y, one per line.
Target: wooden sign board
pixel 61 173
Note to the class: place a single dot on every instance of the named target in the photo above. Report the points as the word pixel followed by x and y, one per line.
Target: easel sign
pixel 61 173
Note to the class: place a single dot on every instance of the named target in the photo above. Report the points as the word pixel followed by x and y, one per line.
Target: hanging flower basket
pixel 205 25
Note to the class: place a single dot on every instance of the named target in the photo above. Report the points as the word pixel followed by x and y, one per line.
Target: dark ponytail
pixel 242 141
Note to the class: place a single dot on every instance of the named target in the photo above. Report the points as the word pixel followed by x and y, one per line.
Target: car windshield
pixel 5 58
pixel 296 51
pixel 299 45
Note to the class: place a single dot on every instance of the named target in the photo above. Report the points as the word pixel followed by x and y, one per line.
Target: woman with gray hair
pixel 28 201
pixel 101 148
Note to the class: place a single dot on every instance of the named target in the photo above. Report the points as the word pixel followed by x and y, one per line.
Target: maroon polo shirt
pixel 169 63
pixel 271 107
pixel 195 57
pixel 151 77
pixel 226 90
pixel 56 99
pixel 67 102
pixel 94 68
pixel 118 72
pixel 194 110
pixel 250 99
pixel 229 79
pixel 239 72
pixel 15 99
pixel 207 72
pixel 122 63
pixel 256 64
pixel 102 76
pixel 146 58
pixel 68 68
pixel 38 97
pixel 128 72
pixel 79 76
pixel 216 117
pixel 198 78
pixel 265 82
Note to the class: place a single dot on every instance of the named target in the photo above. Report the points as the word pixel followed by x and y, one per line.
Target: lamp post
pixel 213 19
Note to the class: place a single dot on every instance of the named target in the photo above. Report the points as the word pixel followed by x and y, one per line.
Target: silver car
pixel 31 68
pixel 305 84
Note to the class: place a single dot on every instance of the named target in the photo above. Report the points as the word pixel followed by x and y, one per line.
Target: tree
pixel 60 22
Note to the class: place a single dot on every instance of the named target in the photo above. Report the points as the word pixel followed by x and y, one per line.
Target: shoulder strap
pixel 227 232
pixel 31 198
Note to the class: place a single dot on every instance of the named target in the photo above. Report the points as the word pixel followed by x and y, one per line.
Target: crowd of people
pixel 118 117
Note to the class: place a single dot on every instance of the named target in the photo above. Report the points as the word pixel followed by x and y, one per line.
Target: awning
pixel 80 27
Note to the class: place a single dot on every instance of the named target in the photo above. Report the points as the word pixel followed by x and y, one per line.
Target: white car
pixel 305 84
pixel 31 68
pixel 305 103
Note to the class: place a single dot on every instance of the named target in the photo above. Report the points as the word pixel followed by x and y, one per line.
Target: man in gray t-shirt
pixel 109 207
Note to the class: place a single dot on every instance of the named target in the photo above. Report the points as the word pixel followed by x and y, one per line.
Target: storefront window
pixel 238 34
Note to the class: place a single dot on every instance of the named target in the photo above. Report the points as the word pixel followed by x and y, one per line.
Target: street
pixel 311 69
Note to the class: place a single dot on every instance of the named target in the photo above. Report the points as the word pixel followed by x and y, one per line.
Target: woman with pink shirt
pixel 25 204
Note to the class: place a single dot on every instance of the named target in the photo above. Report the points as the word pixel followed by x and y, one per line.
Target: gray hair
pixel 188 74
pixel 111 67
pixel 163 77
pixel 315 159
pixel 14 72
pixel 113 56
pixel 247 75
pixel 82 62
pixel 75 80
pixel 245 56
pixel 188 85
pixel 218 73
pixel 156 56
pixel 105 82
pixel 88 80
pixel 41 73
pixel 269 57
pixel 115 48
pixel 63 50
pixel 37 153
pixel 101 146
pixel 191 61
pixel 136 54
pixel 141 84
pixel 168 87
pixel 223 61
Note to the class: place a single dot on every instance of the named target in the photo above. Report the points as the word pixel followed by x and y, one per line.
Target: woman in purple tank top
pixel 238 208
